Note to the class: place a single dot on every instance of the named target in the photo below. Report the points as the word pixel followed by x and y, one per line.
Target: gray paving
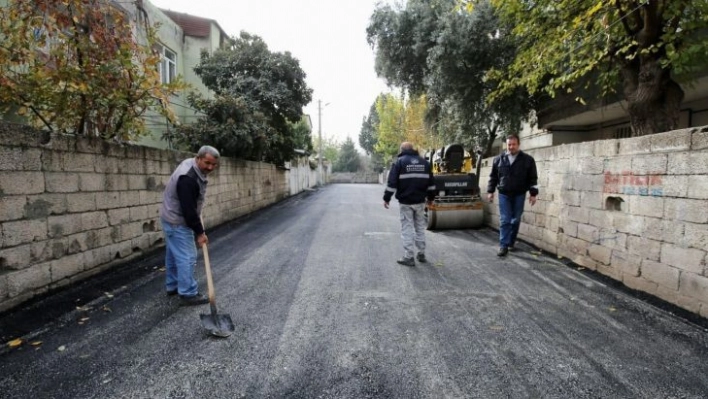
pixel 322 310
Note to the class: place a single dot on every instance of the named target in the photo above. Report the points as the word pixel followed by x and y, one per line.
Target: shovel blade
pixel 218 325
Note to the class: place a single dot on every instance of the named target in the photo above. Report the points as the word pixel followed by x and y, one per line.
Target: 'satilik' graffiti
pixel 627 183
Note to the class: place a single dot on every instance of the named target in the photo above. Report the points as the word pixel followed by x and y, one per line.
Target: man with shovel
pixel 181 223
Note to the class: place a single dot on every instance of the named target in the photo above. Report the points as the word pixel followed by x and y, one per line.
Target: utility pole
pixel 320 178
pixel 320 166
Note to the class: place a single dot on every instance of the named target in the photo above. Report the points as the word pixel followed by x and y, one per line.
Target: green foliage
pixel 330 148
pixel 431 47
pixel 641 48
pixel 368 136
pixel 258 95
pixel 77 66
pixel 348 160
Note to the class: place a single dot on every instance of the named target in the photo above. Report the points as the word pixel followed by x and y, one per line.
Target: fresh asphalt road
pixel 322 310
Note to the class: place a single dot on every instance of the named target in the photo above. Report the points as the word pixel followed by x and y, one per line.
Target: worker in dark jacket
pixel 513 174
pixel 180 214
pixel 411 178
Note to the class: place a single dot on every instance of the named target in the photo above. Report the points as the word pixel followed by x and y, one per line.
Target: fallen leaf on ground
pixel 83 319
pixel 496 328
pixel 61 348
pixel 613 309
pixel 36 343
pixel 15 343
pixel 581 268
pixel 109 295
pixel 162 269
pixel 106 309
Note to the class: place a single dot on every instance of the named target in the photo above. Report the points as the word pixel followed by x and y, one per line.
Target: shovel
pixel 218 325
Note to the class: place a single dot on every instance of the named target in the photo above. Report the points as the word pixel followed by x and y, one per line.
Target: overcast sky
pixel 327 37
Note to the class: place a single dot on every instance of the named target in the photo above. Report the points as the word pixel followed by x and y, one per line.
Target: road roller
pixel 457 203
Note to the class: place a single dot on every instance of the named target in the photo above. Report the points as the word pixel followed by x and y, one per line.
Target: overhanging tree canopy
pixel 642 47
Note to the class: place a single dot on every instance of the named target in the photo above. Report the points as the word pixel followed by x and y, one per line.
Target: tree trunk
pixel 654 98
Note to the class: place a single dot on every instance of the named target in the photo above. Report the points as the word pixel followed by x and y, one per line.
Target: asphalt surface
pixel 322 310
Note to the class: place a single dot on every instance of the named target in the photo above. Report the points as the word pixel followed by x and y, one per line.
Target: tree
pixel 78 66
pixel 330 148
pixel 391 128
pixel 368 136
pixel 348 160
pixel 256 93
pixel 638 47
pixel 430 48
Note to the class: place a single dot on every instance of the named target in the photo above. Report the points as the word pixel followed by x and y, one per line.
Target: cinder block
pixel 646 206
pixel 600 253
pixel 107 165
pixel 116 182
pixel 669 231
pixel 605 148
pixel 626 263
pixel 57 182
pixel 674 186
pixel 653 164
pixel 589 183
pixel 92 182
pixel 94 220
pixel 699 140
pixel 11 159
pixel 89 145
pixel 137 182
pixel 76 243
pixel 609 271
pixel 129 198
pixel 4 292
pixel 635 145
pixel 578 214
pixel 674 141
pixel 591 166
pixel 12 207
pixel 23 232
pixel 132 167
pixel 23 281
pixel 107 200
pixel 694 286
pixel 618 165
pixel 688 303
pixel 20 183
pixel 692 163
pixel 571 198
pixel 129 231
pixel 42 251
pixel 574 246
pixel 661 274
pixel 138 213
pixel 640 284
pixel 62 225
pixel 587 232
pixel 81 202
pixel 698 187
pixel 41 206
pixel 97 257
pixel 67 266
pixel 688 210
pixel 696 235
pixel 99 238
pixel 118 216
pixel 630 224
pixel 77 162
pixel 592 200
pixel 15 258
pixel 688 259
pixel 642 247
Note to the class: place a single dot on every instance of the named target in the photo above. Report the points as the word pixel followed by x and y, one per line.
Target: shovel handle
pixel 210 281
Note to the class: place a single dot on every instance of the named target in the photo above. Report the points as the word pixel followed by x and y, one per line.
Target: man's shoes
pixel 198 299
pixel 171 292
pixel 503 251
pixel 421 257
pixel 406 262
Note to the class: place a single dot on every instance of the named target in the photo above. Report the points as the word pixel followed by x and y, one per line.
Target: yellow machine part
pixel 455 215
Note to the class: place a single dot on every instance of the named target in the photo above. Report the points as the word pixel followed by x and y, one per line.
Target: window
pixel 168 65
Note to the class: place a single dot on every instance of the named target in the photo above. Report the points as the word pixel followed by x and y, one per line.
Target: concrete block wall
pixel 72 207
pixel 633 209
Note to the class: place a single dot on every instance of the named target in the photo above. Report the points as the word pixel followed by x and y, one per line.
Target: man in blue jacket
pixel 513 174
pixel 411 178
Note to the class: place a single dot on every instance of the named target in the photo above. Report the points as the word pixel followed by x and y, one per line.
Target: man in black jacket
pixel 513 174
pixel 411 178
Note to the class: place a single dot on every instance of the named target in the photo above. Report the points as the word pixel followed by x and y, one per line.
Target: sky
pixel 327 37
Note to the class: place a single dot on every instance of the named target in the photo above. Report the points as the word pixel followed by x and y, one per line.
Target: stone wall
pixel 71 207
pixel 633 209
pixel 354 178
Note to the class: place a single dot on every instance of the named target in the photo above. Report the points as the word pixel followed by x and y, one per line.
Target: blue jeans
pixel 180 259
pixel 510 209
